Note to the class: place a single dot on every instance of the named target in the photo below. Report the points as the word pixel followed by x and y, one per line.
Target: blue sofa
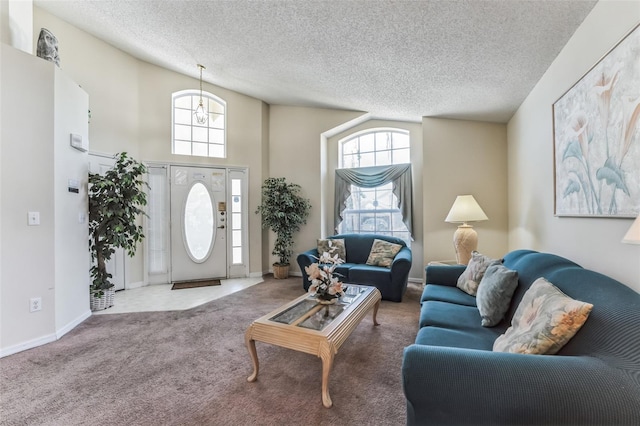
pixel 452 377
pixel 392 282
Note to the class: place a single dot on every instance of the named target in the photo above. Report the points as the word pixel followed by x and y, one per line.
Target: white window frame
pixel 403 234
pixel 208 99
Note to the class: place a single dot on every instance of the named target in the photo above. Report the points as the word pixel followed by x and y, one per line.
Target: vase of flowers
pixel 325 282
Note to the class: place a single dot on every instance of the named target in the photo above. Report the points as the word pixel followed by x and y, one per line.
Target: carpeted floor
pixel 191 367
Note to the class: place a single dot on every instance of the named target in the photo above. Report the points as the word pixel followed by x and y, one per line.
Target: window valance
pixel 371 177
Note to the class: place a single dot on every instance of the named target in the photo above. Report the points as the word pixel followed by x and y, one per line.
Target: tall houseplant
pixel 283 210
pixel 115 201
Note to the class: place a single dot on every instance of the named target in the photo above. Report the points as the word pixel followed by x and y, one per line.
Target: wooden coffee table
pixel 305 325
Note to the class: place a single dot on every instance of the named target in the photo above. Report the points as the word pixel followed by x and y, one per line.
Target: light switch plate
pixel 34 218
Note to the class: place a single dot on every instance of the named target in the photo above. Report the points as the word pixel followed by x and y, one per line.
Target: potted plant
pixel 115 201
pixel 283 210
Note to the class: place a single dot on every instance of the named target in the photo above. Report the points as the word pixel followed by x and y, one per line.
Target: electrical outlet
pixel 35 304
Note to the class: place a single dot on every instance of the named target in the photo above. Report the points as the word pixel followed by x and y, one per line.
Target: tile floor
pixel 160 297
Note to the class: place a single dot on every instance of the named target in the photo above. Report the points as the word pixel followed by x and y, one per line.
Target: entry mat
pixel 179 285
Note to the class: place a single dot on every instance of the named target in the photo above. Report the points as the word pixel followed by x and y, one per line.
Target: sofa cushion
pixel 466 339
pixel 445 293
pixel 382 253
pixel 545 320
pixel 342 271
pixel 494 293
pixel 472 275
pixel 367 274
pixel 332 246
pixel 448 315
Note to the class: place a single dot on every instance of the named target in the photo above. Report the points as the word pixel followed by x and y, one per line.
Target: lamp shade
pixel 633 234
pixel 465 209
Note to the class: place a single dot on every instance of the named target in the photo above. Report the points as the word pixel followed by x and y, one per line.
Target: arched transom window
pixel 374 210
pixel 188 137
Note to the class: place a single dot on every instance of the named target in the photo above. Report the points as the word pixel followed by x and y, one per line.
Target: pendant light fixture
pixel 201 113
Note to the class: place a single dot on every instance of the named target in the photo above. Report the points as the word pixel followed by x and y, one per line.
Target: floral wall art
pixel 597 137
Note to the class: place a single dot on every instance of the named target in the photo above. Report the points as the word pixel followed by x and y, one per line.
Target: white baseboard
pixel 136 284
pixel 71 325
pixel 34 343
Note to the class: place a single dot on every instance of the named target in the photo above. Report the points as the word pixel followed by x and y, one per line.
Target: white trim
pixel 73 324
pixel 34 343
pixel 256 275
pixel 137 284
pixel 30 344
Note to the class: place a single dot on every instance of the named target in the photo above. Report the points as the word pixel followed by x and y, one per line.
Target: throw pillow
pixel 494 293
pixel 470 278
pixel 332 246
pixel 382 253
pixel 544 322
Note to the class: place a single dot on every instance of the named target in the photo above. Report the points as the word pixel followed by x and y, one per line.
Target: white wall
pixel 464 157
pixel 26 185
pixel 592 242
pixel 71 217
pixel 16 23
pixel 49 261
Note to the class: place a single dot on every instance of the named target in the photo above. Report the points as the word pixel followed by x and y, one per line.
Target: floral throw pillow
pixel 546 319
pixel 332 246
pixel 382 253
pixel 471 277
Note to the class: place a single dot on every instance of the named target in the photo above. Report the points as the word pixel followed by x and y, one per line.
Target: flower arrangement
pixel 325 283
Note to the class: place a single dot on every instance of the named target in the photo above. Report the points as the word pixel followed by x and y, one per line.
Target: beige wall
pixel 246 124
pixel 295 154
pixel 130 102
pixel 464 157
pixel 592 242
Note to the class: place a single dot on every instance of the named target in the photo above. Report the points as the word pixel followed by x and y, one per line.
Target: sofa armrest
pixel 444 274
pixel 402 261
pixel 462 386
pixel 305 259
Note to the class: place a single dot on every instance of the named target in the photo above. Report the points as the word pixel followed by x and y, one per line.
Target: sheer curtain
pixel 371 177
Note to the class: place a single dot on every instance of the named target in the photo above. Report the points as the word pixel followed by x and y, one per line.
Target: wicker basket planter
pixel 104 302
pixel 280 272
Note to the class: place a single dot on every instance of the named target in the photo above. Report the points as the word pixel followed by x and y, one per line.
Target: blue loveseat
pixel 392 282
pixel 452 377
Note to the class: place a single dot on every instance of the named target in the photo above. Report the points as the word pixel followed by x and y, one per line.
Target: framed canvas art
pixel 596 131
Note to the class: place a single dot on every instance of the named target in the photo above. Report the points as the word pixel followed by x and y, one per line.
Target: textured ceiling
pixel 470 59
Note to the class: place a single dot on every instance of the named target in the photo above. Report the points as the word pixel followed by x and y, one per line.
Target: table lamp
pixel 465 240
pixel 633 234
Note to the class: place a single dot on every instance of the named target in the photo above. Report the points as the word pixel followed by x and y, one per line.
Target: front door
pixel 198 223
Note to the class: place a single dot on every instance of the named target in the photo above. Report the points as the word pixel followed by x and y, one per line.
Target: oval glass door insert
pixel 198 223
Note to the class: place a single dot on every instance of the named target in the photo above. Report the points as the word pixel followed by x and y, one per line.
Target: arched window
pixel 188 137
pixel 374 210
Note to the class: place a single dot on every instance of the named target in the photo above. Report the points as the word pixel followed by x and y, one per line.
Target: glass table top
pixel 309 313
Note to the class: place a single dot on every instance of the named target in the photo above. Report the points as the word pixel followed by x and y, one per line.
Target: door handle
pixel 221 227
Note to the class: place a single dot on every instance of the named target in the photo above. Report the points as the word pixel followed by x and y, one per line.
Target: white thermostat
pixel 78 143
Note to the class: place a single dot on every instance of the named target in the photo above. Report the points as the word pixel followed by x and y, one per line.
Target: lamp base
pixel 465 241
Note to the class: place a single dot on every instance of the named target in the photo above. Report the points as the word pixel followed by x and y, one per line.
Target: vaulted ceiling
pixel 468 59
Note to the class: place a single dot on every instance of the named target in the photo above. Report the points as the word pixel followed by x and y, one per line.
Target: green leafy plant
pixel 283 210
pixel 115 201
